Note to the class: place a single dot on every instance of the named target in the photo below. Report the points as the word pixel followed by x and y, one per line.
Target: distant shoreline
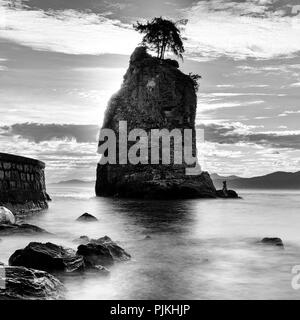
pixel 273 181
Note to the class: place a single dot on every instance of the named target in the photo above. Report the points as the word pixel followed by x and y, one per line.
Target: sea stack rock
pixel 155 94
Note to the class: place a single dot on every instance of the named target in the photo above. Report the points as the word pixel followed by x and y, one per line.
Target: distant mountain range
pixel 276 180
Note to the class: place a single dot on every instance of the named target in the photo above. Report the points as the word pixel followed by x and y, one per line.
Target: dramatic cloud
pixel 232 133
pixel 242 29
pixel 215 28
pixel 67 31
pixel 45 132
pixel 57 146
pixel 61 60
pixel 238 133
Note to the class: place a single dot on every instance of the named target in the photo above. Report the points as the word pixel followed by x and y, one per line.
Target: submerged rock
pixel 82 240
pixel 18 283
pixel 6 216
pixel 48 257
pixel 118 253
pixel 95 254
pixel 102 251
pixel 272 241
pixel 23 229
pixel 230 194
pixel 86 217
pixel 155 94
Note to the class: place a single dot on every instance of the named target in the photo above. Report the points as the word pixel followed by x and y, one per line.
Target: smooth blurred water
pixel 199 249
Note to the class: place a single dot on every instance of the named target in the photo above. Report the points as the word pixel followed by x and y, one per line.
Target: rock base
pixel 114 181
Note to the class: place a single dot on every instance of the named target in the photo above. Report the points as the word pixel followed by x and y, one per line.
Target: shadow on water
pixel 155 216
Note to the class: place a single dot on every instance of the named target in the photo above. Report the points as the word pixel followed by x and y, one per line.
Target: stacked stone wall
pixel 22 182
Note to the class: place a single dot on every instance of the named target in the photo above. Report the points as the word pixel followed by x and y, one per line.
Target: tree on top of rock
pixel 161 35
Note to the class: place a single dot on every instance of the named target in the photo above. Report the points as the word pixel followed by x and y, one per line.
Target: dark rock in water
pixel 230 194
pixel 95 254
pixel 86 217
pixel 82 240
pixel 1 263
pixel 147 237
pixel 48 257
pixel 23 229
pixel 272 241
pixel 118 253
pixel 155 94
pixel 19 283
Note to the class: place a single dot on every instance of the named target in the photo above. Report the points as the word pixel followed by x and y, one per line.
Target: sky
pixel 61 60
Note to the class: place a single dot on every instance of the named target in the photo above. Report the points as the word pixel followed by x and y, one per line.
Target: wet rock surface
pixel 118 253
pixel 21 229
pixel 102 251
pixel 19 283
pixel 86 217
pixel 48 257
pixel 95 254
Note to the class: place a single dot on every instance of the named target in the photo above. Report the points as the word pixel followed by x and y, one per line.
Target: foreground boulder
pixel 101 251
pixel 6 216
pixel 48 257
pixel 155 94
pixel 22 229
pixel 95 254
pixel 118 253
pixel 273 242
pixel 22 283
pixel 86 217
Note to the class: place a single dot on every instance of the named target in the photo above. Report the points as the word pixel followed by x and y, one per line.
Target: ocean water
pixel 198 249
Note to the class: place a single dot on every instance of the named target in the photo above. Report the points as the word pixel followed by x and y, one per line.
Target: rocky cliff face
pixel 155 94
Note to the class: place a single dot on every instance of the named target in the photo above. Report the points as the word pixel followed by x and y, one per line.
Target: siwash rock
pixel 155 94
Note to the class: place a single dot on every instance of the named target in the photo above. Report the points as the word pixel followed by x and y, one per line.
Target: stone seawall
pixel 22 184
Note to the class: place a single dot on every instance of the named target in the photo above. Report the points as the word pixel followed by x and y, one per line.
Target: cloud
pixel 238 29
pixel 241 29
pixel 288 112
pixel 295 85
pixel 238 133
pixel 67 31
pixel 2 68
pixel 64 155
pixel 213 101
pixel 37 132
